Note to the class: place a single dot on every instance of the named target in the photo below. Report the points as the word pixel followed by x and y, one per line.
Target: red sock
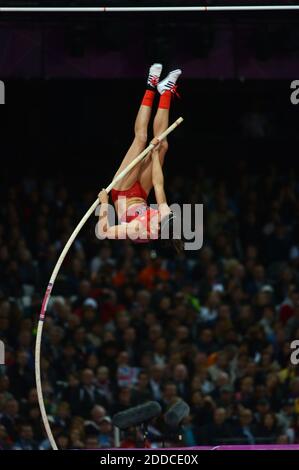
pixel 148 98
pixel 165 100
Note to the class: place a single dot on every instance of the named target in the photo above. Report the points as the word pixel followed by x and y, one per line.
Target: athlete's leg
pixel 140 129
pixel 161 122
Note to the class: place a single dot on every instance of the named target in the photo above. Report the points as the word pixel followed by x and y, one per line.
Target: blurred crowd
pixel 130 323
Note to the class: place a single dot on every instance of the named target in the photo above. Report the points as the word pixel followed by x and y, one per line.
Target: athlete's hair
pixel 178 245
pixel 167 228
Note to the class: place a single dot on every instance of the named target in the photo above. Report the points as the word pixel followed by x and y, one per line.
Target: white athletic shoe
pixel 169 82
pixel 154 75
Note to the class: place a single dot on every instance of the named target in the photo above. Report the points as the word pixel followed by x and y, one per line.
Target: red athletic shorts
pixel 134 191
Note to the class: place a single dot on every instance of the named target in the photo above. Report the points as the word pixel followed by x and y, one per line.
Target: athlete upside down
pixel 138 221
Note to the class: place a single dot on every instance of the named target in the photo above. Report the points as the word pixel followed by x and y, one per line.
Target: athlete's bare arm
pixel 104 229
pixel 158 182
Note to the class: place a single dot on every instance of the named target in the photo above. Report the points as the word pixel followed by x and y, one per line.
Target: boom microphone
pixel 137 415
pixel 175 415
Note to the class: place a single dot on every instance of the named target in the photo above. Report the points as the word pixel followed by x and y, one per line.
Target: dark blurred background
pixel 249 45
pixel 72 81
pixel 127 324
pixel 85 126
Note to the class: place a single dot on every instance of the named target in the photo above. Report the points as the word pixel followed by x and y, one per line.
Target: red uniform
pixel 140 212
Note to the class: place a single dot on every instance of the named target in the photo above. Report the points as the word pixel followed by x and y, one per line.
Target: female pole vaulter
pixel 138 221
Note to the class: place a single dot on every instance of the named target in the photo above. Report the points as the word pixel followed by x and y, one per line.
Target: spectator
pixel 129 324
pixel 123 400
pixel 126 375
pixel 181 380
pixel 156 379
pixel 105 432
pixel 169 395
pixel 63 441
pixel 9 418
pixel 20 375
pixel 86 395
pixel 245 429
pixel 4 440
pixel 141 393
pixel 104 384
pixel 91 443
pixel 216 432
pixel 26 441
pixel 268 428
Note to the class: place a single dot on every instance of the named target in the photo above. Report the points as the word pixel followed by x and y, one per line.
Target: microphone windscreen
pixel 137 415
pixel 176 413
